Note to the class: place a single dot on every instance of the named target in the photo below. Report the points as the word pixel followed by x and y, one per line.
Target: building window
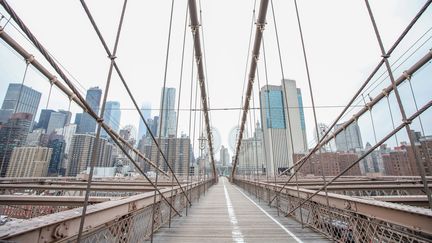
pixel 275 113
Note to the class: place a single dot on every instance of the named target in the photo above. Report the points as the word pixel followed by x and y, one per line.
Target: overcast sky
pixel 340 42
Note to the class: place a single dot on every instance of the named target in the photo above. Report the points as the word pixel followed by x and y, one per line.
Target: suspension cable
pixel 319 144
pixel 161 117
pixel 95 151
pixel 420 165
pixel 95 27
pixel 286 101
pixel 178 116
pixel 255 55
pixel 71 92
pixel 201 77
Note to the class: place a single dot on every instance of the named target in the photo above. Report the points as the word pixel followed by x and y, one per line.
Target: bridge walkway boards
pixel 227 214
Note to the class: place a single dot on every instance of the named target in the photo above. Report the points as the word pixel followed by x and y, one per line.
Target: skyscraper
pixel 168 114
pixel 44 118
pixel 87 123
pixel 146 111
pixel 154 126
pixel 349 138
pixel 57 144
pixel 68 116
pixel 21 99
pixel 177 151
pixel 5 114
pixel 112 116
pixel 29 162
pixel 224 156
pixel 81 151
pixel 302 117
pixel 56 120
pixel 77 120
pixel 13 134
pixel 280 110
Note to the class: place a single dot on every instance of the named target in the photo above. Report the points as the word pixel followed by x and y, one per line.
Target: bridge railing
pixel 348 219
pixel 124 220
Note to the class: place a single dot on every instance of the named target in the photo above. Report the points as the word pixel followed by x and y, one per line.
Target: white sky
pixel 341 46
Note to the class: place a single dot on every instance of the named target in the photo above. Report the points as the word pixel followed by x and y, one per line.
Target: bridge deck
pixel 227 214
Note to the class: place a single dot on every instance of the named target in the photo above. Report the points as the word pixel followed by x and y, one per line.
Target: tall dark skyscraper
pixel 112 116
pixel 13 134
pixel 87 123
pixel 58 145
pixel 44 118
pixel 20 98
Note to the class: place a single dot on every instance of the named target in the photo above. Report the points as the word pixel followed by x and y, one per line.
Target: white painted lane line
pixel 268 215
pixel 235 232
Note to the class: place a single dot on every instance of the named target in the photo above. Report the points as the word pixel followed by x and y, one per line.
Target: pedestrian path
pixel 227 214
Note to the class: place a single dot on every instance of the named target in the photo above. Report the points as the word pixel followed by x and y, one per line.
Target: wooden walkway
pixel 227 214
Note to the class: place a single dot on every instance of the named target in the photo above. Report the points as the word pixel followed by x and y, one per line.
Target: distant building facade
pixel 350 138
pixel 224 156
pixel 178 152
pixel 87 124
pixel 146 111
pixel 168 113
pixel 332 164
pixel 112 116
pixel 22 99
pixel 13 134
pixel 29 162
pixel 280 111
pixel 81 150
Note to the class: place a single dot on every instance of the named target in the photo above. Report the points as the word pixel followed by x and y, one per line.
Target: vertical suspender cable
pixel 162 111
pixel 286 101
pixel 302 161
pixel 260 24
pixel 178 115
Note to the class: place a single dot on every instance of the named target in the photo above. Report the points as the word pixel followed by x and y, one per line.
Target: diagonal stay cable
pixel 77 96
pixel 94 155
pixel 86 9
pixel 324 139
pixel 402 111
pixel 388 136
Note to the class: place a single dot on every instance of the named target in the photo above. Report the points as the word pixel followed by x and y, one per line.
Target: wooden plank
pixel 210 220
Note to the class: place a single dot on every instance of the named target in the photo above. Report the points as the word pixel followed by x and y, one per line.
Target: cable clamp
pixel 72 96
pixel 256 58
pixel 385 93
pixel 261 26
pixel 198 59
pixel 30 59
pixel 386 56
pixel 53 80
pixel 406 75
pixel 368 106
pixel 407 122
pixel 194 28
pixel 112 57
